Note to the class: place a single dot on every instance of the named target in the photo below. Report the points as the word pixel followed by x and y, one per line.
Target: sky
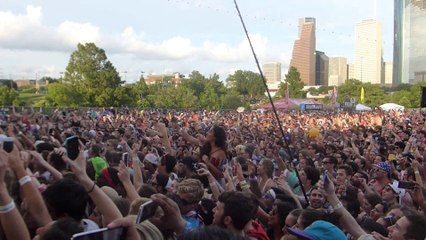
pixel 145 37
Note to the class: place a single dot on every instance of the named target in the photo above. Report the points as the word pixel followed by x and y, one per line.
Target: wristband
pixel 416 172
pixel 338 206
pixel 93 188
pixel 24 180
pixel 8 207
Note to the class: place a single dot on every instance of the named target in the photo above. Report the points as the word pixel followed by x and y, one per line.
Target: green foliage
pixel 63 95
pixel 246 83
pixel 7 96
pixel 94 78
pixel 295 85
pixel 374 95
pixel 232 100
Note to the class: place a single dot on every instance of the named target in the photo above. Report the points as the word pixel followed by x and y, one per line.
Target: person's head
pixel 62 229
pixel 168 163
pixel 66 198
pixel 309 176
pixel 186 166
pixel 283 205
pixel 319 230
pixel 56 161
pixel 360 161
pixel 358 178
pixel 369 226
pixel 389 194
pixel 316 199
pixel 329 163
pixel 234 210
pixel 344 174
pixel 266 167
pixel 190 191
pixel 308 216
pixel 370 200
pixel 379 210
pixel 217 135
pixel 211 232
pixel 381 171
pixel 113 158
pixel 291 219
pixel 411 226
pixel 95 151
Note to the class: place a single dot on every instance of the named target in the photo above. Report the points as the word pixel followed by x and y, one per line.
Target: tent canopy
pixel 360 107
pixel 391 106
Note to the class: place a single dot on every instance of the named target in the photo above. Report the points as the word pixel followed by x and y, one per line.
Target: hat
pixel 319 230
pixel 385 167
pixel 92 133
pixel 152 158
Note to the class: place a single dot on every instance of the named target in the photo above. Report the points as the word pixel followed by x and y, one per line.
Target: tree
pixel 295 85
pixel 246 83
pixel 7 96
pixel 62 95
pixel 94 77
pixel 232 100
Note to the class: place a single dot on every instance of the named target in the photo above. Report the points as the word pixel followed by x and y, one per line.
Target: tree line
pixel 91 80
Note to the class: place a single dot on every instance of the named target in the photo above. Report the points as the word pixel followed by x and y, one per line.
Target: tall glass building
pixel 409 55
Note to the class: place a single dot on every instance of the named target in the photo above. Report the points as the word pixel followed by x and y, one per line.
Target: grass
pixel 31 98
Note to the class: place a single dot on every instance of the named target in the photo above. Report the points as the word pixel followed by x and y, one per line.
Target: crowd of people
pixel 214 174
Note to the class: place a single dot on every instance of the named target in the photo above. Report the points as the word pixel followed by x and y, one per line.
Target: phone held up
pixel 146 211
pixel 101 234
pixel 406 185
pixel 72 146
pixel 7 143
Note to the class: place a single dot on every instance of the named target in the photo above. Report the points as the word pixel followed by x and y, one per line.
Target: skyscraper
pixel 368 51
pixel 321 68
pixel 303 57
pixel 272 73
pixel 409 52
pixel 337 71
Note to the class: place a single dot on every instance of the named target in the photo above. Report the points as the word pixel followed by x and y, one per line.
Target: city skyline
pixel 38 37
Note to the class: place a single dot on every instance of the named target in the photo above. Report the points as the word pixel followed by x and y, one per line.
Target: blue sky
pixel 37 37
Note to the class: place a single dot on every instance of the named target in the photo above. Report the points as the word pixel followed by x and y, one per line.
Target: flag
pixel 362 95
pixel 334 96
pixel 287 94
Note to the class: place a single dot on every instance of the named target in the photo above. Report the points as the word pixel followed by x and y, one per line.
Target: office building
pixel 387 74
pixel 409 54
pixel 368 51
pixel 321 68
pixel 337 71
pixel 350 71
pixel 272 73
pixel 303 57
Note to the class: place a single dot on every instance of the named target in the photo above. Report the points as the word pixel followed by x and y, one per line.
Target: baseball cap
pixel 384 166
pixel 319 230
pixel 152 158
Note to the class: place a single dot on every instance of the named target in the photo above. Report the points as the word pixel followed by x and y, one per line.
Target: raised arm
pixel 11 220
pixel 104 204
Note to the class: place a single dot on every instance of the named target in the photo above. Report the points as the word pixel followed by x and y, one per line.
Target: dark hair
pixel 416 229
pixel 146 190
pixel 312 174
pixel 62 229
pixel 370 226
pixel 113 158
pixel 241 207
pixel 220 135
pixel 66 198
pixel 308 216
pixel 373 198
pixel 268 167
pixel 333 160
pixel 211 232
pixel 348 170
pixel 285 204
pixel 169 161
pixel 96 150
pixel 56 161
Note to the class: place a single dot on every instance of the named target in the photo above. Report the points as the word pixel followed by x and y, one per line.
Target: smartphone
pixel 8 146
pixel 146 211
pixel 406 185
pixel 72 145
pixel 126 159
pixel 325 177
pixel 101 234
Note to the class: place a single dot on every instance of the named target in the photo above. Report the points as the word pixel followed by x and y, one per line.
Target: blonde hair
pixel 193 188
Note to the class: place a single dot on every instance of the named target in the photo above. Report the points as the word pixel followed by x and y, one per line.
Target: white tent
pixel 360 107
pixel 392 106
